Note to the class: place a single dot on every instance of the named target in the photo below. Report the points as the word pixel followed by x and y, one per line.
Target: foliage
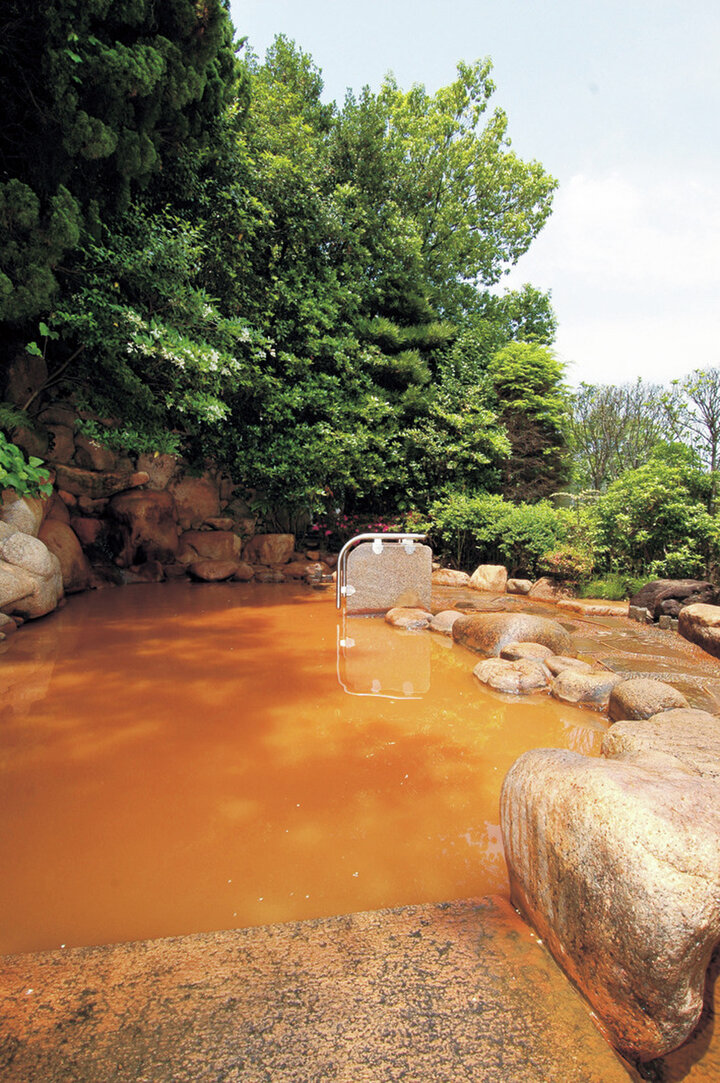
pixel 533 405
pixel 26 476
pixel 613 429
pixel 653 520
pixel 489 529
pixel 693 412
pixel 613 587
pixel 97 99
pixel 567 562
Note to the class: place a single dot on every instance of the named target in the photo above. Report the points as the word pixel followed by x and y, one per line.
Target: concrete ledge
pixel 428 993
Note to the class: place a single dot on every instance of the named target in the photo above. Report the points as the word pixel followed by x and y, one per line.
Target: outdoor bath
pixel 181 758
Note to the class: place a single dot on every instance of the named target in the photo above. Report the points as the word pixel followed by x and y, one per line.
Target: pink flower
pixel 328 533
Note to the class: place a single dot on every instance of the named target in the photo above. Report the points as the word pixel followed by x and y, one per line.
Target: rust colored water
pixel 183 758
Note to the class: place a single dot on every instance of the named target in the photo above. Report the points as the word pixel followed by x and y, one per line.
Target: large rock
pixel 196 499
pixel 147 524
pixel 549 590
pixel 691 736
pixel 517 678
pixel 28 556
pixel 62 444
pixel 61 540
pixel 443 621
pixel 488 633
pixel 213 571
pixel 23 513
pixel 95 484
pixel 701 624
pixel 519 586
pixel 209 545
pixel 408 617
pixel 14 585
pixel 652 595
pixel 93 456
pixel 492 577
pixel 160 469
pixel 449 577
pixel 585 689
pixel 643 697
pixel 617 866
pixel 269 549
pixel 538 652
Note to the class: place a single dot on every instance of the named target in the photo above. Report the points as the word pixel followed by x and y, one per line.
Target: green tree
pixel 533 406
pixel 613 429
pixel 97 99
pixel 693 413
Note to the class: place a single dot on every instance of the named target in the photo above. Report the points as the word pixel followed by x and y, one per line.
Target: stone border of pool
pixel 453 991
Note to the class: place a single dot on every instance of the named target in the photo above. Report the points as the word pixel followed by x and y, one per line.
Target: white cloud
pixel 634 268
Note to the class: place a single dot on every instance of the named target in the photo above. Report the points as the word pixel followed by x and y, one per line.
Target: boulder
pixel 617 866
pixel 549 590
pixel 443 621
pixel 556 663
pixel 518 586
pixel 402 617
pixel 263 574
pixel 517 678
pixel 159 469
pixel 691 736
pixel 300 569
pixel 492 577
pixel 213 571
pixel 196 499
pixel 218 522
pixel 701 624
pixel 151 572
pixel 269 549
pixel 96 485
pixel 27 558
pixel 209 545
pixel 26 374
pixel 538 652
pixel 243 573
pixel 33 441
pixel 62 444
pixel 147 524
pixel 592 609
pixel 14 585
pixel 61 540
pixel 23 513
pixel 585 689
pixel 488 633
pixel 643 697
pixel 652 595
pixel 91 455
pixel 87 529
pixel 449 577
pixel 57 509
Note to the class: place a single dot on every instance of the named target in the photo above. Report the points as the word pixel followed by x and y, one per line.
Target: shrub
pixel 488 529
pixel 567 562
pixel 27 477
pixel 613 587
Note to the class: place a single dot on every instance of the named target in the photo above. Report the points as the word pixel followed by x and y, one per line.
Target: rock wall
pixel 114 519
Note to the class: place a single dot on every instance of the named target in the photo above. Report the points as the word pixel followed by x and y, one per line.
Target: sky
pixel 620 101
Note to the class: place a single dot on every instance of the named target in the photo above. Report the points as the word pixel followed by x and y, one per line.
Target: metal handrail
pixel 341 581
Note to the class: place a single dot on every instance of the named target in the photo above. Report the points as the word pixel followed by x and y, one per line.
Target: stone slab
pixel 392 577
pixel 452 991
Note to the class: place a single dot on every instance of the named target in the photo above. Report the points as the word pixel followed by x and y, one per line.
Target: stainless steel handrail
pixel 341 581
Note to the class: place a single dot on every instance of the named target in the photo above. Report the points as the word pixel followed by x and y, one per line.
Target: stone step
pixel 430 994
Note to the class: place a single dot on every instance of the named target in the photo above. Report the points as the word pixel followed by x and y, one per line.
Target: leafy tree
pixel 693 412
pixel 613 429
pixel 533 406
pixel 653 520
pixel 98 97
